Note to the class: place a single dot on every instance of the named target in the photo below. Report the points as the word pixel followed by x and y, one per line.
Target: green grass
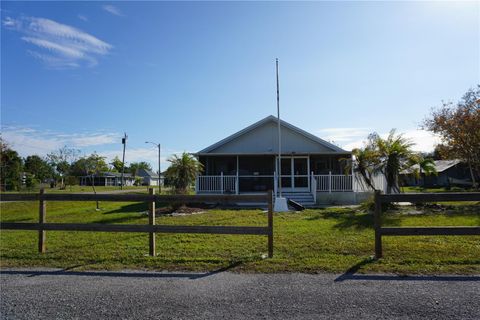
pixel 316 240
pixel 417 189
pixel 77 188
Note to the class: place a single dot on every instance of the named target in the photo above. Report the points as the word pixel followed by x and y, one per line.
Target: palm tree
pixel 364 164
pixel 395 154
pixel 182 171
pixel 426 167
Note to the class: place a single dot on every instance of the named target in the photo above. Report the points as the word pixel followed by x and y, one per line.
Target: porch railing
pixel 230 183
pixel 215 184
pixel 333 182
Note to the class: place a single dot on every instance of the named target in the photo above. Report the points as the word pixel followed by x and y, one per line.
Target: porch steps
pixel 304 198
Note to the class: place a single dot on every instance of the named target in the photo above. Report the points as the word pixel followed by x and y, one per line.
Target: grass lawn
pixel 414 189
pixel 316 240
pixel 77 189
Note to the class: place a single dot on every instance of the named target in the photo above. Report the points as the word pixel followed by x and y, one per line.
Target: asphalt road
pixel 56 294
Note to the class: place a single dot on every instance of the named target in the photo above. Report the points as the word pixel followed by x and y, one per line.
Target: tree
pixel 183 171
pixel 426 167
pixel 117 164
pixel 135 166
pixel 11 167
pixel 39 168
pixel 366 161
pixel 441 152
pixel 387 156
pixel 61 160
pixel 395 155
pixel 458 125
pixel 93 165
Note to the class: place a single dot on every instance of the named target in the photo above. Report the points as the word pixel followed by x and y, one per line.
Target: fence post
pixel 270 223
pixel 42 212
pixel 151 221
pixel 377 220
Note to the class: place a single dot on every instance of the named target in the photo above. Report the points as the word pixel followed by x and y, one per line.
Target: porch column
pixel 221 181
pixel 237 181
pixel 330 182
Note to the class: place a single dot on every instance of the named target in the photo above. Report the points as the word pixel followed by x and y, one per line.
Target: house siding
pixel 264 140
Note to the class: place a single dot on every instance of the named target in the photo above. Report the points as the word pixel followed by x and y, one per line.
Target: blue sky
pixel 187 74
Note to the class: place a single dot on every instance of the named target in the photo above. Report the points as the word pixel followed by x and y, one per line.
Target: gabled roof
pixel 114 174
pixel 331 148
pixel 147 173
pixel 440 166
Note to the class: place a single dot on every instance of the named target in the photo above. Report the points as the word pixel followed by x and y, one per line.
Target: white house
pixel 313 171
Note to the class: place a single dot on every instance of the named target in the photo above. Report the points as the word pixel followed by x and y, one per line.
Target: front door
pixel 295 174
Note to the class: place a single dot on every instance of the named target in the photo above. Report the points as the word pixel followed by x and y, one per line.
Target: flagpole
pixel 280 204
pixel 279 136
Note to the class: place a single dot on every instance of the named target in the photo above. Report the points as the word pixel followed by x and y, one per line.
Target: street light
pixel 159 168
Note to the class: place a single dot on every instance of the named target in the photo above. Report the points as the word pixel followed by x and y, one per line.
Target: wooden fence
pixel 42 226
pixel 419 231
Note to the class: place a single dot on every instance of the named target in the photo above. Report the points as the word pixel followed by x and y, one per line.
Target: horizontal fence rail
pixel 419 231
pixel 132 197
pixel 430 231
pixel 430 197
pixel 42 226
pixel 134 228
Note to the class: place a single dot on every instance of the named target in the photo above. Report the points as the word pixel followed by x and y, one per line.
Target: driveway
pixel 57 294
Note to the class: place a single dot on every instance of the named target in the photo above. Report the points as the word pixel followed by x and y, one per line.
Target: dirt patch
pixel 182 210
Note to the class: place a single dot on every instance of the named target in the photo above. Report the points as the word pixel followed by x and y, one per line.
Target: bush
pixel 31 182
pixel 369 205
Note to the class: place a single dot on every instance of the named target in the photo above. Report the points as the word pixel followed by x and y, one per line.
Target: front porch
pixel 250 174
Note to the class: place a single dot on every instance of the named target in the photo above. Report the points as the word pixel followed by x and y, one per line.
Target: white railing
pixel 319 183
pixel 216 184
pixel 333 182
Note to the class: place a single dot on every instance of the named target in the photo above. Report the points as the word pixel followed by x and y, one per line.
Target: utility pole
pixel 124 142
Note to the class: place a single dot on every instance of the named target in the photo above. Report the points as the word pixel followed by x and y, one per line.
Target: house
pixel 449 173
pixel 108 179
pixel 149 177
pixel 312 171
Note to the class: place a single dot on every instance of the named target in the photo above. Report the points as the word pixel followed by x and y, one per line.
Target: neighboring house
pixel 108 179
pixel 149 177
pixel 312 170
pixel 449 173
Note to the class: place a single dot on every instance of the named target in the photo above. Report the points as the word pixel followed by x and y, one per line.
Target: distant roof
pixel 440 165
pixel 115 174
pixel 261 138
pixel 146 173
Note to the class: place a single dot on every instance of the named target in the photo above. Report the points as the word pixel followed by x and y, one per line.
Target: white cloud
pixel 338 135
pixel 113 10
pixel 62 46
pixel 94 139
pixel 82 17
pixel 424 141
pixel 27 141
